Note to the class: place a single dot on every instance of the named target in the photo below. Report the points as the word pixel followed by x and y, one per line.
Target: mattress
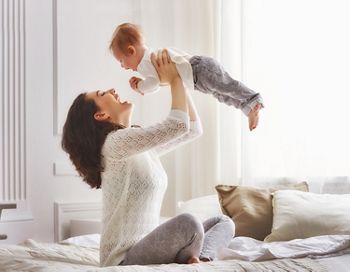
pixel 35 256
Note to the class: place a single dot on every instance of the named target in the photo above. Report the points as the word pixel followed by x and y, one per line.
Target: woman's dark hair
pixel 83 137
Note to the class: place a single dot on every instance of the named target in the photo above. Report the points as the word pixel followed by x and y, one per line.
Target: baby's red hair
pixel 125 35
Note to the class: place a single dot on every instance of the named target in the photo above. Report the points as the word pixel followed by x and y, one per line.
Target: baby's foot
pixel 193 259
pixel 253 117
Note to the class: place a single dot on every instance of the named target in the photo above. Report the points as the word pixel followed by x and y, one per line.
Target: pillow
pixel 250 208
pixel 301 215
pixel 202 207
pixel 89 240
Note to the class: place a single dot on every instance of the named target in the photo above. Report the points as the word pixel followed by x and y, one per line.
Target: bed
pixel 80 253
pixel 35 256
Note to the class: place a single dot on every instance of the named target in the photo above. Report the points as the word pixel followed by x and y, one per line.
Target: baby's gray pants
pixel 209 76
pixel 180 238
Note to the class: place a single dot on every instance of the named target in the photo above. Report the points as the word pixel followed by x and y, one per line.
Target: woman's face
pixel 111 109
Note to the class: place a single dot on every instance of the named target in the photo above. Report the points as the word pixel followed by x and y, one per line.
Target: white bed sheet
pixel 34 256
pixel 337 263
pixel 249 249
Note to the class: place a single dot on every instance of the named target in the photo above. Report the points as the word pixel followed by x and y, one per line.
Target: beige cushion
pixel 250 208
pixel 302 215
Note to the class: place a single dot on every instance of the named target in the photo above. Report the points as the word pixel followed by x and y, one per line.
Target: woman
pixel 124 161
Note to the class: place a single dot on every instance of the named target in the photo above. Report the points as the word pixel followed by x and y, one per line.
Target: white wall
pixel 51 84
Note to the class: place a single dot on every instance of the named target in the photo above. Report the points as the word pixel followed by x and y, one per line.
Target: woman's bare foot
pixel 193 260
pixel 253 117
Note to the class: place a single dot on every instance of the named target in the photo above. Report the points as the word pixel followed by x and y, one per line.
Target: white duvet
pixel 33 256
pixel 249 249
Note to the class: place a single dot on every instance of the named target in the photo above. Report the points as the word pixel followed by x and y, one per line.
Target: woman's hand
pixel 167 73
pixel 166 69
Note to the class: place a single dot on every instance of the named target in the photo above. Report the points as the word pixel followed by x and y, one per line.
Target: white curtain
pixel 193 169
pixel 296 53
pixel 229 119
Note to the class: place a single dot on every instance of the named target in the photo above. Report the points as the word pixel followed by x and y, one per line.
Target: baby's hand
pixel 133 83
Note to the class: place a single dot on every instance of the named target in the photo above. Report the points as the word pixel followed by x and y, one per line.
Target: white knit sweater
pixel 134 181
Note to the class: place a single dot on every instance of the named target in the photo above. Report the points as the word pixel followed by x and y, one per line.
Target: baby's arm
pixel 148 85
pixel 134 81
pixel 151 82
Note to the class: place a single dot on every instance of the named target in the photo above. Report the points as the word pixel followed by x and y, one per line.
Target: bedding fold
pixel 249 249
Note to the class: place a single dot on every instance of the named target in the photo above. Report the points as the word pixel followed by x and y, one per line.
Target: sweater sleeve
pixel 194 132
pixel 123 143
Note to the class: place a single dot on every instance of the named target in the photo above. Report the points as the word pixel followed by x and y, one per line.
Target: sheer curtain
pixel 193 169
pixel 229 120
pixel 296 53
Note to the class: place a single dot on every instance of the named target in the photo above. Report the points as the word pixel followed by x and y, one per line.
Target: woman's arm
pixel 130 141
pixel 168 75
pixel 127 142
pixel 194 132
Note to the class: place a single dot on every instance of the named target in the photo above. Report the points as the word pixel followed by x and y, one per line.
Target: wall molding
pixel 54 68
pixel 73 40
pixel 13 101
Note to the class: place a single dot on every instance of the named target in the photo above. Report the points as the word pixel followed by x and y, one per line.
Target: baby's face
pixel 127 61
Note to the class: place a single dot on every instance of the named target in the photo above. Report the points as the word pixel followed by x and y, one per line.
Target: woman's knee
pixel 191 222
pixel 193 235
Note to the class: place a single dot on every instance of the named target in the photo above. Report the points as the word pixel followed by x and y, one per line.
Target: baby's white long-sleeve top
pixel 134 181
pixel 151 80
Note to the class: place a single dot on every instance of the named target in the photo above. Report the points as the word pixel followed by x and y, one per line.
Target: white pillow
pixel 299 214
pixel 202 207
pixel 89 240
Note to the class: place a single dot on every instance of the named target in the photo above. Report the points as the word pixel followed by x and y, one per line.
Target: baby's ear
pixel 131 50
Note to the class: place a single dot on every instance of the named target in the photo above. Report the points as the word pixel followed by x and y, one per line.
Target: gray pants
pixel 210 77
pixel 180 238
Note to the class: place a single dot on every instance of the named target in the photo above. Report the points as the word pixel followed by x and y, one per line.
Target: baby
pixel 197 72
